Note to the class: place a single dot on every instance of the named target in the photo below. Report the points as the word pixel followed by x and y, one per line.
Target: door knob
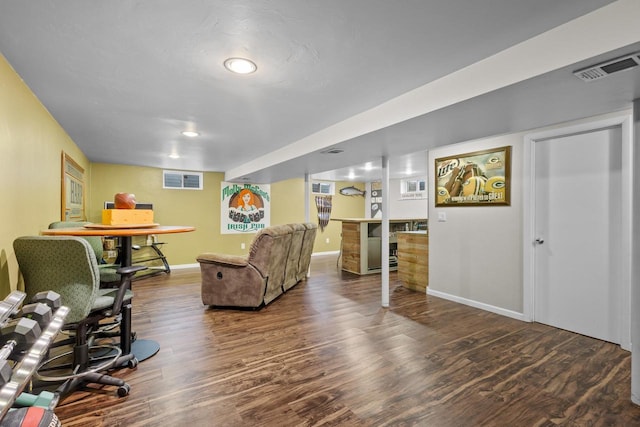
pixel 539 241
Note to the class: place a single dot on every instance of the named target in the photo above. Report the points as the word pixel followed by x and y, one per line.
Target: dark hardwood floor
pixel 326 353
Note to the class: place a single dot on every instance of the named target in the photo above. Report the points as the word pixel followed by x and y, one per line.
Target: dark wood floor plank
pixel 326 353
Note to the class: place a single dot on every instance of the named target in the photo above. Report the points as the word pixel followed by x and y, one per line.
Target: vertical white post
pixel 384 253
pixel 307 209
pixel 635 253
pixel 307 196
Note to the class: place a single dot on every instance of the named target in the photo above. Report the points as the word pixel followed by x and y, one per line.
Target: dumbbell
pixel 41 309
pixel 44 399
pixel 50 298
pixel 39 312
pixel 20 334
pixel 17 335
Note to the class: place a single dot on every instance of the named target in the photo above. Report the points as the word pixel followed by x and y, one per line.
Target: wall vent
pixel 332 151
pixel 182 180
pixel 604 69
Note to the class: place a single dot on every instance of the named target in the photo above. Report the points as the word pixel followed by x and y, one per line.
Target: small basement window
pixel 413 186
pixel 323 187
pixel 182 180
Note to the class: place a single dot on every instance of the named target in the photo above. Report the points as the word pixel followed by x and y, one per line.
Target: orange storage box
pixel 127 216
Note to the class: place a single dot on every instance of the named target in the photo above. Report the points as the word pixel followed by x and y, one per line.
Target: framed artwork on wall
pixel 73 197
pixel 376 199
pixel 480 178
pixel 246 208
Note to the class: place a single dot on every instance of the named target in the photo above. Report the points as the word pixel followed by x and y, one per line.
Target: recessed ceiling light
pixel 240 65
pixel 190 133
pixel 174 156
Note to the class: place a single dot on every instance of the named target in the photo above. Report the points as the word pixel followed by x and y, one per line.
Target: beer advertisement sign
pixel 245 207
pixel 481 178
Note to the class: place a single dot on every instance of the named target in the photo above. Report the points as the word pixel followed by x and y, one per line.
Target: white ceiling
pixel 124 78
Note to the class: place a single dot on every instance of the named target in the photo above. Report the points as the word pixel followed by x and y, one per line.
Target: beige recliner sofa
pixel 278 259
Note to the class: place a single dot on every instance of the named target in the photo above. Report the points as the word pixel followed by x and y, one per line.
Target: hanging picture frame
pixel 479 178
pixel 245 208
pixel 73 194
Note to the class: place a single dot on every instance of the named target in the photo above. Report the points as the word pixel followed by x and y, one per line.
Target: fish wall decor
pixel 352 191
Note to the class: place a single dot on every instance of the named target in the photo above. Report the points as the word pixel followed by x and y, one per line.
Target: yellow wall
pixel 31 143
pixel 201 209
pixel 342 207
pixel 287 206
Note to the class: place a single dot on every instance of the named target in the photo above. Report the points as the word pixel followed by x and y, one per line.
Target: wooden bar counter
pixel 413 260
pixel 361 247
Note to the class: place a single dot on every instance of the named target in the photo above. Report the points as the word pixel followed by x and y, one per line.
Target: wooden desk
pixel 143 349
pixel 116 231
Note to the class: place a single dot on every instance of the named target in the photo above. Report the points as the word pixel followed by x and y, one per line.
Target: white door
pixel 577 283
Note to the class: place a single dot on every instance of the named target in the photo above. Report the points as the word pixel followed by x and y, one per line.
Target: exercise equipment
pixel 50 298
pixel 18 335
pixel 26 335
pixel 31 417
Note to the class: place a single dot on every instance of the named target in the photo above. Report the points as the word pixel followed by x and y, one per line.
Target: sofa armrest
pixel 224 259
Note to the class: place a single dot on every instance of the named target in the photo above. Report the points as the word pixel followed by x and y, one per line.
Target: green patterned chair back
pixel 107 272
pixel 94 241
pixel 64 264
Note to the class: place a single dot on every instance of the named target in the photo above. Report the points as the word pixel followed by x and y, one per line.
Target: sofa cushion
pixel 236 260
pixel 293 259
pixel 307 249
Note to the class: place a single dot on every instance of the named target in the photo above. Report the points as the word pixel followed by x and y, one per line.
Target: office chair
pixel 67 265
pixel 108 273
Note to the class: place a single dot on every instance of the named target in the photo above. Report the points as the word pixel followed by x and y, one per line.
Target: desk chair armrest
pixel 131 269
pixel 126 273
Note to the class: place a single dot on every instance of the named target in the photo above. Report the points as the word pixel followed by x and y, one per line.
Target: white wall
pixel 476 255
pixel 406 208
pixel 400 209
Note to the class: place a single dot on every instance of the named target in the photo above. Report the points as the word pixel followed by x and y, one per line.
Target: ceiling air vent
pixel 332 151
pixel 599 71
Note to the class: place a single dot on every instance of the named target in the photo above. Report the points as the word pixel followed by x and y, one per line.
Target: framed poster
pixel 480 178
pixel 245 208
pixel 376 200
pixel 72 190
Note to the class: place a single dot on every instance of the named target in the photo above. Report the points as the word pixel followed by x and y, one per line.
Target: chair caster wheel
pixel 132 363
pixel 124 390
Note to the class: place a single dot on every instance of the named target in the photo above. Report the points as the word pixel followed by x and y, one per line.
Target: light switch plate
pixel 442 217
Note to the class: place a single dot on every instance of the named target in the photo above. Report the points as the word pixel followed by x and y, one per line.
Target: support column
pixel 635 253
pixel 307 209
pixel 307 196
pixel 384 253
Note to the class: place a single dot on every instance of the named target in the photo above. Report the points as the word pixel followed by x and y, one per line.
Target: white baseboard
pixel 325 253
pixel 477 304
pixel 183 266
